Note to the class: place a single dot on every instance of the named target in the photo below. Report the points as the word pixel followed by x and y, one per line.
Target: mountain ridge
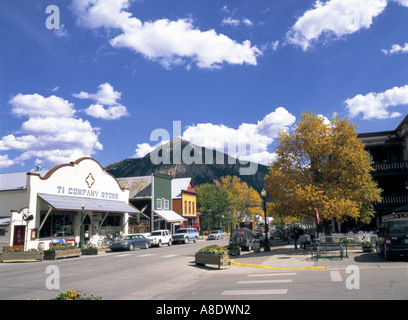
pixel 180 158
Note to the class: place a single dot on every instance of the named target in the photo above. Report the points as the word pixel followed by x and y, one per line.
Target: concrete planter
pixel 21 256
pixel 222 262
pixel 61 254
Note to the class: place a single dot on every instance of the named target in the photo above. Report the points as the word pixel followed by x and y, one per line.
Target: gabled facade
pixel 41 206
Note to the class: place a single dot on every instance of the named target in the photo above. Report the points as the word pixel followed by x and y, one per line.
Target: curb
pixel 274 268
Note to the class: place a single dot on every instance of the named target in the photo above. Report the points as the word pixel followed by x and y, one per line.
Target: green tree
pixel 322 164
pixel 214 205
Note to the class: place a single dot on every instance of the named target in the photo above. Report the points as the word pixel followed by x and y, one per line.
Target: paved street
pixel 169 273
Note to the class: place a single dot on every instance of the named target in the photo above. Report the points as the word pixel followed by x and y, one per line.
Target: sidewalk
pixel 286 257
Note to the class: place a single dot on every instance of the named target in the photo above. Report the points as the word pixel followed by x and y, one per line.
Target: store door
pixel 19 235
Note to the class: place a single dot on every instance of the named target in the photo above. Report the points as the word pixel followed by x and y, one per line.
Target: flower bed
pixel 213 255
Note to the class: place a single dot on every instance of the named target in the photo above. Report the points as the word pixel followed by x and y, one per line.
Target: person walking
pixel 295 236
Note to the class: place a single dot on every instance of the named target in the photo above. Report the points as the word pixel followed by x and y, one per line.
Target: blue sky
pixel 101 76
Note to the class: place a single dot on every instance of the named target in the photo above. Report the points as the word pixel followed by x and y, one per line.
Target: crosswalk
pixel 276 283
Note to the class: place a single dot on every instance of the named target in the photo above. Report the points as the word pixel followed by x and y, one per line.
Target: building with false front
pixel 44 205
pixel 185 202
pixel 152 195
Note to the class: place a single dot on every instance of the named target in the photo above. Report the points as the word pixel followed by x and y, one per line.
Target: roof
pixel 178 185
pixel 16 180
pixel 139 187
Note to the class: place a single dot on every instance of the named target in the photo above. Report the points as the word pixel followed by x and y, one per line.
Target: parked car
pixel 392 238
pixel 130 242
pixel 243 238
pixel 185 235
pixel 159 237
pixel 216 235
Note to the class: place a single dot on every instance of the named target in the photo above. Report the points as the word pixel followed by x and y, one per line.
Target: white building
pixel 41 206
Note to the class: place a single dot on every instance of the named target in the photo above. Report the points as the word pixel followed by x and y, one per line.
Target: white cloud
pixel 247 142
pixel 334 18
pixel 402 2
pixel 33 105
pixel 107 96
pixel 396 48
pixel 247 22
pixel 375 105
pixel 110 113
pixel 51 135
pixel 168 42
pixel 230 21
pixel 5 161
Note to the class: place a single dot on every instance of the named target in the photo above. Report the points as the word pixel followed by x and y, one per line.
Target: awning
pixel 91 204
pixel 169 216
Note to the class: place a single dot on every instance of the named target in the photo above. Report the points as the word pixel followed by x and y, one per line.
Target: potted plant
pixel 214 255
pixel 367 246
pixel 61 251
pixel 90 250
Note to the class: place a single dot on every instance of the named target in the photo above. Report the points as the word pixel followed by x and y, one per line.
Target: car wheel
pixel 195 240
pixel 159 244
pixel 169 243
pixel 146 245
pixel 387 256
pixel 131 247
pixel 186 240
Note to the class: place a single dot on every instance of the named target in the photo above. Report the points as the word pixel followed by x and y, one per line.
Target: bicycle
pixel 104 242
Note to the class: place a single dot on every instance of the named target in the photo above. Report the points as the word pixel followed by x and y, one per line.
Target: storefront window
pixel 112 223
pixel 58 224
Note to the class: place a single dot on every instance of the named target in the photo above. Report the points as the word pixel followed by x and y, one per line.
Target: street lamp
pixel 267 246
pixel 81 238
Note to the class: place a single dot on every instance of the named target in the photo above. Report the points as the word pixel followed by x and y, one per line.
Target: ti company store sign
pixel 87 192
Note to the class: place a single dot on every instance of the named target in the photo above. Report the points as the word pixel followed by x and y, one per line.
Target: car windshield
pixel 181 231
pixel 157 233
pixel 398 227
pixel 127 238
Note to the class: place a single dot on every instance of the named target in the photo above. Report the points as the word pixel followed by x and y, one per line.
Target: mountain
pixel 180 158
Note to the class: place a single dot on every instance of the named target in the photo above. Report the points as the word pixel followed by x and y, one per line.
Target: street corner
pixel 282 258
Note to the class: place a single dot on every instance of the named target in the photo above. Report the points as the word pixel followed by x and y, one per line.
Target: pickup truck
pixel 160 237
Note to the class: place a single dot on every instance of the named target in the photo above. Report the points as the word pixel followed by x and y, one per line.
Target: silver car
pixel 216 234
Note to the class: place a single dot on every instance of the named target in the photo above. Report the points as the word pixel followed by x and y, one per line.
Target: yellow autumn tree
pixel 321 164
pixel 246 203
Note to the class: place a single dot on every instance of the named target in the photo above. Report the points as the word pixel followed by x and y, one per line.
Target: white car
pixel 160 237
pixel 216 234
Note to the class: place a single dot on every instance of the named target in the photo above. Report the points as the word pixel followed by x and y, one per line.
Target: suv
pixel 243 238
pixel 186 235
pixel 160 237
pixel 392 238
